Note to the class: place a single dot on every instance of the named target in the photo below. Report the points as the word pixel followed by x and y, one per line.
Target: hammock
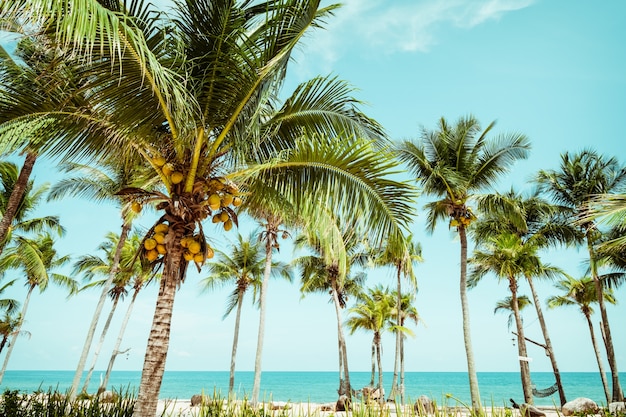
pixel 546 392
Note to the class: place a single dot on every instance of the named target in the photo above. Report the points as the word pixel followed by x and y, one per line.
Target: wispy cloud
pixel 384 26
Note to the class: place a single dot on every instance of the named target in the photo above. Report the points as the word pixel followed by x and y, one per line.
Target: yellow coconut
pixel 209 252
pixel 149 244
pixel 237 201
pixel 161 228
pixel 177 177
pixel 159 237
pixel 151 255
pixel 188 256
pixel 216 218
pixel 227 200
pixel 228 225
pixel 161 249
pixel 168 169
pixel 214 201
pixel 159 160
pixel 194 247
pixel 136 207
pixel 198 257
pixel 224 216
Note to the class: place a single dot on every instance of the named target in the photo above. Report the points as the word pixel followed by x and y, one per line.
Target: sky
pixel 554 70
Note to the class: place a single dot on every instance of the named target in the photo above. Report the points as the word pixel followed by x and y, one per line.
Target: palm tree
pixel 506 305
pixel 92 266
pixel 507 258
pixel 244 265
pixel 574 185
pixel 321 272
pixel 190 95
pixel 8 327
pixel 408 253
pixel 537 223
pixel 101 185
pixel 37 258
pixel 452 163
pixel 582 293
pixel 373 312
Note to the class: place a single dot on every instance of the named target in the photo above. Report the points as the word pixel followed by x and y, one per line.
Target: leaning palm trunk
pixel 379 360
pixel 16 332
pixel 118 342
pixel 344 373
pixel 233 355
pixel 546 338
pixel 396 364
pixel 402 369
pixel 15 199
pixel 596 350
pixel 269 245
pixel 96 315
pixel 471 368
pixel 96 352
pixel 158 341
pixel 521 345
pixel 618 395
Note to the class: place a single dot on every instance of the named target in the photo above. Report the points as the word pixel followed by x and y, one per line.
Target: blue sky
pixel 553 70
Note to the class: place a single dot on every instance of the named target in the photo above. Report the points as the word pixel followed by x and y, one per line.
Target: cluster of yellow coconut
pixel 193 249
pixel 154 246
pixel 168 169
pixel 220 199
pixel 465 221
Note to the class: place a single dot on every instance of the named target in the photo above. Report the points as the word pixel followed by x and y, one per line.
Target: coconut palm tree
pixel 506 305
pixel 321 272
pixel 408 252
pixel 452 163
pixel 582 293
pixel 580 178
pixel 37 258
pixel 101 185
pixel 140 275
pixel 373 312
pixel 190 95
pixel 91 267
pixel 8 327
pixel 244 265
pixel 536 222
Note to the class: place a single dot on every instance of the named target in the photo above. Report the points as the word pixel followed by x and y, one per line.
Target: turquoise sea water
pixel 495 387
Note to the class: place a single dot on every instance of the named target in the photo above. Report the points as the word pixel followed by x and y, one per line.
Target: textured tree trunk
pixel 373 374
pixel 546 338
pixel 118 342
pixel 159 339
pixel 96 315
pixel 15 199
pixel 233 355
pixel 344 374
pixel 96 352
pixel 402 370
pixel 618 394
pixel 270 240
pixel 471 367
pixel 596 350
pixel 16 332
pixel 521 345
pixel 396 364
pixel 379 360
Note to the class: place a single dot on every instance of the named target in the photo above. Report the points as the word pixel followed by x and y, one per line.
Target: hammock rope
pixel 546 392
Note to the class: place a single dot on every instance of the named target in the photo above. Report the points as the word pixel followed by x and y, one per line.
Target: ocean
pixel 449 388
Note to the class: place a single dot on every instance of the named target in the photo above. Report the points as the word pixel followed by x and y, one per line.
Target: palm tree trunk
pixel 118 342
pixel 344 378
pixel 618 394
pixel 546 338
pixel 471 367
pixel 96 352
pixel 233 355
pixel 402 369
pixel 96 315
pixel 17 331
pixel 5 338
pixel 16 197
pixel 521 345
pixel 396 363
pixel 159 339
pixel 379 360
pixel 596 350
pixel 269 245
pixel 373 375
